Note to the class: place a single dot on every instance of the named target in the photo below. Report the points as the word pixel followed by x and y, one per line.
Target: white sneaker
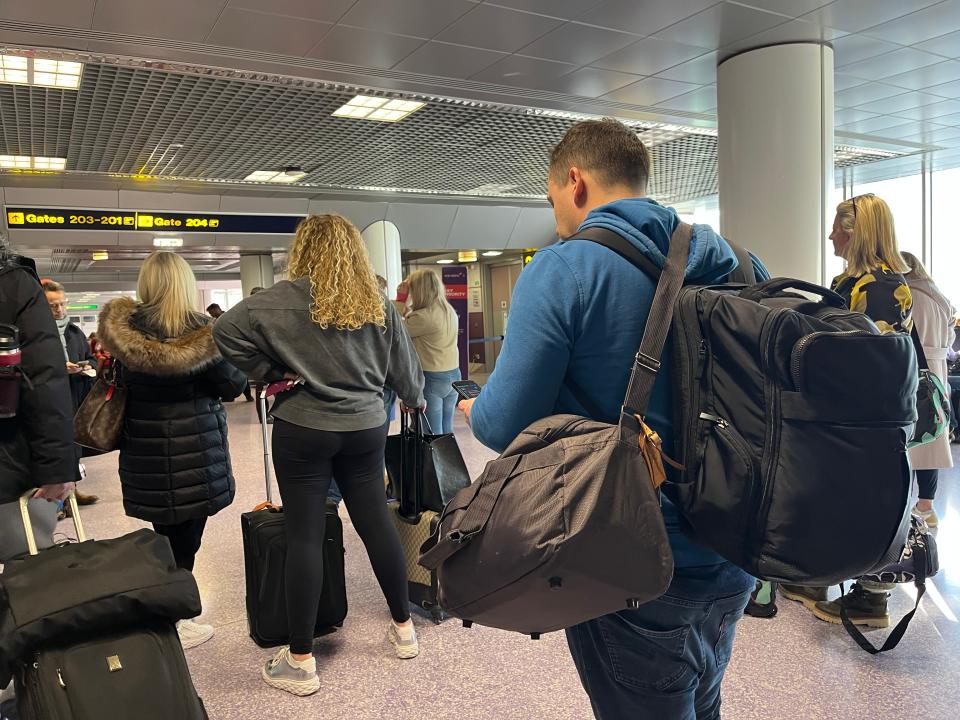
pixel 404 640
pixel 279 672
pixel 193 633
pixel 929 517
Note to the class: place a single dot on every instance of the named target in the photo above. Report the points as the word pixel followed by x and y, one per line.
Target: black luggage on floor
pixel 138 674
pixel 414 523
pixel 265 553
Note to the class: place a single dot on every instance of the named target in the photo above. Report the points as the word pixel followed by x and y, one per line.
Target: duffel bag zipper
pixel 804 343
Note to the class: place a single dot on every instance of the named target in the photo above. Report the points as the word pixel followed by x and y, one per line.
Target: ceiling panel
pixel 851 49
pixel 940 135
pixel 947 45
pixel 926 76
pixel 578 44
pixel 793 8
pixel 721 25
pixel 523 71
pixel 498 28
pixel 327 11
pixel 591 82
pixel 651 91
pixel 177 19
pixel 894 63
pixel 948 90
pixel 857 15
pixel 872 126
pixel 642 18
pixel 458 61
pixel 892 105
pixel 904 130
pixel 473 226
pixel 270 33
pixel 849 115
pixel 866 93
pixel 701 70
pixel 566 9
pixel 700 101
pixel 421 18
pixel 950 119
pixel 794 31
pixel 649 56
pixel 932 111
pixel 364 47
pixel 70 13
pixel 845 82
pixel 921 25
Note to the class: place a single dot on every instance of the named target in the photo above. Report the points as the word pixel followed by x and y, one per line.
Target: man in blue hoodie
pixel 578 313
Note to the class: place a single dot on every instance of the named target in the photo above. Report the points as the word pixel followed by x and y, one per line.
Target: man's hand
pixel 73 368
pixel 466 407
pixel 57 491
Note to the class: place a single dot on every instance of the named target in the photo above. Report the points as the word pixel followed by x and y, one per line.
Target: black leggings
pixel 305 460
pixel 927 483
pixel 184 539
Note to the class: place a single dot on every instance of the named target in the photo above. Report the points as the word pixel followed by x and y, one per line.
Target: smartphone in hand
pixel 281 386
pixel 466 389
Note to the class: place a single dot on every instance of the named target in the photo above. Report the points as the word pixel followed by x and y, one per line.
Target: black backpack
pixel 787 413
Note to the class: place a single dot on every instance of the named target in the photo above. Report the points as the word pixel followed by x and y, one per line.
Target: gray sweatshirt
pixel 344 371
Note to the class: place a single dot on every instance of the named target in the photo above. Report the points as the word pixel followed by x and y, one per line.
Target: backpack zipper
pixel 805 341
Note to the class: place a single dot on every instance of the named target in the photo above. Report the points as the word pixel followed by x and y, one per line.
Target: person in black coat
pixel 175 468
pixel 36 446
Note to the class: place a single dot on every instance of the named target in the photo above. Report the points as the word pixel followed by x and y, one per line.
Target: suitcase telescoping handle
pixel 267 474
pixel 28 525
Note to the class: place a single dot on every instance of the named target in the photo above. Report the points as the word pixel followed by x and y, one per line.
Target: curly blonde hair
pixel 328 249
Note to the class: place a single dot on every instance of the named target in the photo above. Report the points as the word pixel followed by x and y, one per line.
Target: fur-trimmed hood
pixel 140 351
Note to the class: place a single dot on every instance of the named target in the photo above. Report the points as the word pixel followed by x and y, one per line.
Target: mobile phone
pixel 466 389
pixel 281 386
pixel 83 363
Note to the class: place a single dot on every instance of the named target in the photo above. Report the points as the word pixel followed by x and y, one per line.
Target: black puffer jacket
pixel 36 446
pixel 174 456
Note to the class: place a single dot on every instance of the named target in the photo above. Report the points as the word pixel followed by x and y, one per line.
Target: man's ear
pixel 579 189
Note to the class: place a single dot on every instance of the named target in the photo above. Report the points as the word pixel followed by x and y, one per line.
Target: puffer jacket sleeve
pixel 226 379
pixel 46 410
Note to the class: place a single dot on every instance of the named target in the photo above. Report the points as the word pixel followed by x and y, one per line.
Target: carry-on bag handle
pixel 772 288
pixel 267 474
pixel 28 524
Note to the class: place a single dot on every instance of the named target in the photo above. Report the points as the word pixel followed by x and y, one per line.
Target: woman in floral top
pixel 873 284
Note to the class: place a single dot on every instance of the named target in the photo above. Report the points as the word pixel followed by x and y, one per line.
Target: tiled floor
pixel 793 666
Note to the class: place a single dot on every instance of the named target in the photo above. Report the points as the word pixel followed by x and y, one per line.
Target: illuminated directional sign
pixel 79 219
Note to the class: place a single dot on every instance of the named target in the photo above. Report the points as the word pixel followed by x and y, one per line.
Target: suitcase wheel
pixel 468 624
pixel 534 636
pixel 633 603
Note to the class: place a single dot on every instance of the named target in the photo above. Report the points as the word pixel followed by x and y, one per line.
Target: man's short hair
pixel 213 306
pixel 52 286
pixel 607 148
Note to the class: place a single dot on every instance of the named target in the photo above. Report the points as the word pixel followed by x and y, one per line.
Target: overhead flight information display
pixel 79 219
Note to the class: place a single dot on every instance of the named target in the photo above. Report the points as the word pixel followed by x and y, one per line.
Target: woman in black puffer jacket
pixel 174 458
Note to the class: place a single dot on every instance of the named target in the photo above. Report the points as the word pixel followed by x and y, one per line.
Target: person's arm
pixel 46 410
pixel 418 323
pixel 404 374
pixel 227 381
pixel 536 351
pixel 236 339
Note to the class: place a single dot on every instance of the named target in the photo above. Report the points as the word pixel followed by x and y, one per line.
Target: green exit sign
pixel 82 307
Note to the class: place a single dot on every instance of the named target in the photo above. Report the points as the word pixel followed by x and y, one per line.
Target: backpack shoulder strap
pixel 744 273
pixel 622 247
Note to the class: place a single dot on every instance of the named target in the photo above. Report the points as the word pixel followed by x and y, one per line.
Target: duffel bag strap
pixel 475 518
pixel 894 638
pixel 646 364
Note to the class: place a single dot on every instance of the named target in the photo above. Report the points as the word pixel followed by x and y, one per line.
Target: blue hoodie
pixel 578 313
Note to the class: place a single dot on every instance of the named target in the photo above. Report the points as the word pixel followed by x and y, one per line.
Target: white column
pixel 775 111
pixel 382 239
pixel 255 271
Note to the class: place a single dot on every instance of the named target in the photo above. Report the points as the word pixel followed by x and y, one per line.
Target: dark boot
pixel 863 608
pixel 805 594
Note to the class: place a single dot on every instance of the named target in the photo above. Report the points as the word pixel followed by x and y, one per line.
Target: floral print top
pixel 881 294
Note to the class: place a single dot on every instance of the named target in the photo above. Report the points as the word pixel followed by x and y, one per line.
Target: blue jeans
pixel 441 399
pixel 667 659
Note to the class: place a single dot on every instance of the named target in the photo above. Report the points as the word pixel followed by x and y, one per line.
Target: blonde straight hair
pixel 426 289
pixel 874 239
pixel 168 290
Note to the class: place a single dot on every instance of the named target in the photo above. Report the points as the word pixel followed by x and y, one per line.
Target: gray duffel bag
pixel 565 526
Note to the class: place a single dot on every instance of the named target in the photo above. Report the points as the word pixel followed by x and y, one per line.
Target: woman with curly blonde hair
pixel 333 336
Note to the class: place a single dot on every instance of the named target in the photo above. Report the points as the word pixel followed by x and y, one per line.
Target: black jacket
pixel 36 447
pixel 174 457
pixel 78 348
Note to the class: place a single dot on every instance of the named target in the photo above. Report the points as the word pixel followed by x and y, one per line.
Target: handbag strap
pixel 918 347
pixel 647 360
pixel 894 638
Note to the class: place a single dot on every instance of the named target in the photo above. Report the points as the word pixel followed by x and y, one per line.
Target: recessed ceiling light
pixel 100 255
pixel 444 262
pixel 493 253
pixel 467 256
pixel 168 242
pixel 26 162
pixel 379 109
pixel 288 175
pixel 20 70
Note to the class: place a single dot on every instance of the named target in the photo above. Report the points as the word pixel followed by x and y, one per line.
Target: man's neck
pixel 604 196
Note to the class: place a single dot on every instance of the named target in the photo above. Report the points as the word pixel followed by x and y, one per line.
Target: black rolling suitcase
pixel 414 523
pixel 134 671
pixel 265 552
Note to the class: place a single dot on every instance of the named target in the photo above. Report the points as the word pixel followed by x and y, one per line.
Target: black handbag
pixel 918 562
pixel 78 589
pixel 933 400
pixel 444 471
